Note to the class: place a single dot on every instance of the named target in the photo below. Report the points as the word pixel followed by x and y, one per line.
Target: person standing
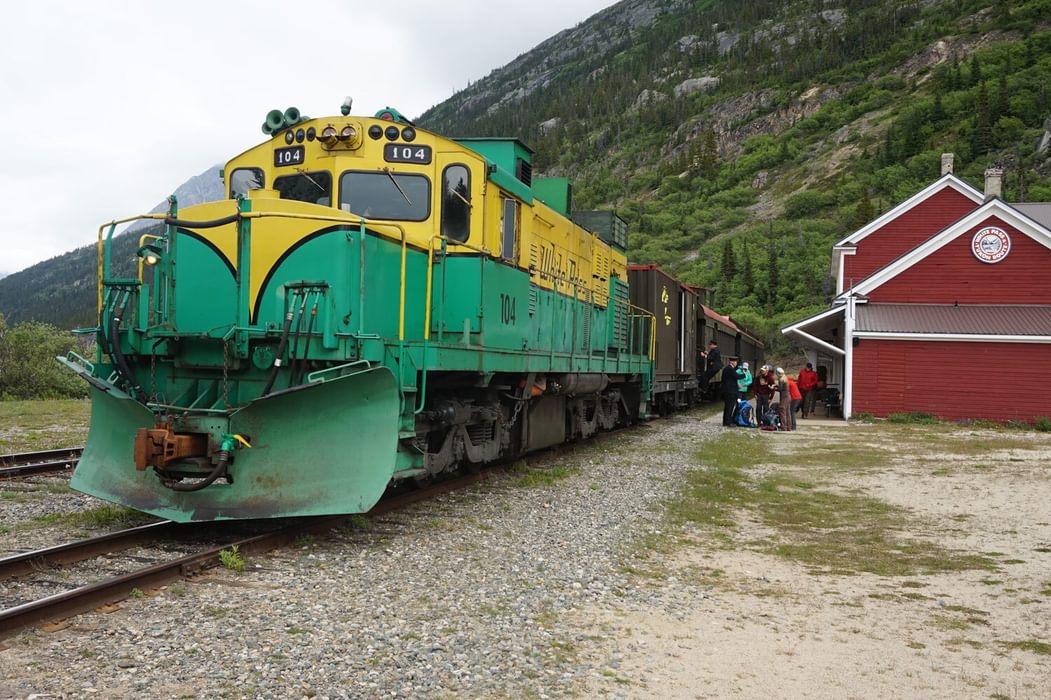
pixel 784 402
pixel 728 389
pixel 808 388
pixel 744 380
pixel 788 398
pixel 713 360
pixel 764 391
pixel 796 399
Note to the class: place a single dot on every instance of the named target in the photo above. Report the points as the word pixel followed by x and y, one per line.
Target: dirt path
pixel 943 592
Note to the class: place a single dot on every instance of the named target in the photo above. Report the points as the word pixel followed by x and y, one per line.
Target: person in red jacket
pixel 797 399
pixel 808 388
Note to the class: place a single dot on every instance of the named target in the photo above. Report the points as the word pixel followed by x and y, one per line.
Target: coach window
pixel 242 180
pixel 456 203
pixel 385 195
pixel 508 229
pixel 314 187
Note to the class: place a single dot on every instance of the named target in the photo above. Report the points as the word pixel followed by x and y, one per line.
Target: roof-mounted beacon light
pixel 392 115
pixel 344 109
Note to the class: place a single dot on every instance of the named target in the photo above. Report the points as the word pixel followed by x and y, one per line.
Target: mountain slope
pixel 62 290
pixel 740 140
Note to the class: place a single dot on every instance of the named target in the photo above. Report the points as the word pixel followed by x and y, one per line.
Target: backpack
pixel 772 418
pixel 744 414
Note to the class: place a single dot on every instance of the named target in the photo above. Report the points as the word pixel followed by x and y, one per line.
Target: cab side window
pixel 508 229
pixel 242 180
pixel 456 203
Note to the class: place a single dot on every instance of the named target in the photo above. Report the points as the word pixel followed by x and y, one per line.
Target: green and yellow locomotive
pixel 372 303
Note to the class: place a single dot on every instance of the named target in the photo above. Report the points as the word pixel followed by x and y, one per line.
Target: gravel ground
pixel 474 594
pixel 26 504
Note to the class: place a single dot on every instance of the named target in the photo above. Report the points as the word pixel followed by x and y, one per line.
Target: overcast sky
pixel 112 105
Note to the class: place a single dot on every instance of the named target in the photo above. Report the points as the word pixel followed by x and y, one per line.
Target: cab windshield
pixel 314 187
pixel 385 195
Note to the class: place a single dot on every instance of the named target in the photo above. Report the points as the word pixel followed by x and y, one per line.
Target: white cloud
pixel 110 105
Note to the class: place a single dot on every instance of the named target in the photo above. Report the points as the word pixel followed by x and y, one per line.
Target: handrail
pixel 103 257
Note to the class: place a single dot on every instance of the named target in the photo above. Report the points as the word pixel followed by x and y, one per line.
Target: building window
pixel 508 229
pixel 314 187
pixel 384 195
pixel 243 180
pixel 456 203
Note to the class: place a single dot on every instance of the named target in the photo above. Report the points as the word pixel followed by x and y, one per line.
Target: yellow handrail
pixel 112 224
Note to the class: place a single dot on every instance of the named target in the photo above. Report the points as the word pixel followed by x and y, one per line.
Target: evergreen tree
pixel 747 274
pixel 864 212
pixel 709 159
pixel 1003 99
pixel 937 109
pixel 976 71
pixel 773 274
pixel 729 263
pixel 982 134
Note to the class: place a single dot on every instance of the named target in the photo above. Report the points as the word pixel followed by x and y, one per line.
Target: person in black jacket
pixel 728 389
pixel 713 360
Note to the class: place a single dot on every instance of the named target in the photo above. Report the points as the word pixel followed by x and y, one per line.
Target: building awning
pixel 1019 323
pixel 821 331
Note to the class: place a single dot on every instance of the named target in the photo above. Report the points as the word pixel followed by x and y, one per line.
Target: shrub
pixel 1042 423
pixel 803 204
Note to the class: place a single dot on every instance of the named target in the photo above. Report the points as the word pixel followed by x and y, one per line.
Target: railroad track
pixel 28 463
pixel 87 597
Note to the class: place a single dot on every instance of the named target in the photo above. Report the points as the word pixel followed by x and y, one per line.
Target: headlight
pixel 328 135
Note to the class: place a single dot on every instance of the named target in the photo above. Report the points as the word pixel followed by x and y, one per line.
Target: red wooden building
pixel 943 306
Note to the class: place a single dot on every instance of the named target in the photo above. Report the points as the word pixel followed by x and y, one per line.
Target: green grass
pixel 1033 645
pixel 531 477
pixel 101 517
pixel 830 532
pixel 912 417
pixel 31 426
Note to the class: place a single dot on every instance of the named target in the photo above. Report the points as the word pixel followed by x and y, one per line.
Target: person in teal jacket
pixel 744 380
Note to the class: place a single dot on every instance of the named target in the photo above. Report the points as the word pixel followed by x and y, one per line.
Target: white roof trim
pixel 957 337
pixel 811 340
pixel 839 308
pixel 994 207
pixel 930 190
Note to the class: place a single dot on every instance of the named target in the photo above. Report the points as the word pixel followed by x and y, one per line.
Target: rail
pixel 85 598
pixel 28 463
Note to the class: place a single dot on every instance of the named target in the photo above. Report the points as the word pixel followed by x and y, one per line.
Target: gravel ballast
pixel 469 595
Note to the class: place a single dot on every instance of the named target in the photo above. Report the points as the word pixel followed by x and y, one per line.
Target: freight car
pixel 674 307
pixel 373 303
pixel 683 326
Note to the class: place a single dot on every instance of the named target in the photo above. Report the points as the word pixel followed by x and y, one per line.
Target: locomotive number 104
pixel 507 309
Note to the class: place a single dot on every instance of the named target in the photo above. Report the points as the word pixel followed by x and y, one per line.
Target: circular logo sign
pixel 991 244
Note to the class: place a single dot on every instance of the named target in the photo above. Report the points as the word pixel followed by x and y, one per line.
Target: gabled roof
pixel 930 190
pixel 994 207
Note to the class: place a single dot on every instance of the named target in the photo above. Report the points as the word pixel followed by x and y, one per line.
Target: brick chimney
pixel 946 164
pixel 994 183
